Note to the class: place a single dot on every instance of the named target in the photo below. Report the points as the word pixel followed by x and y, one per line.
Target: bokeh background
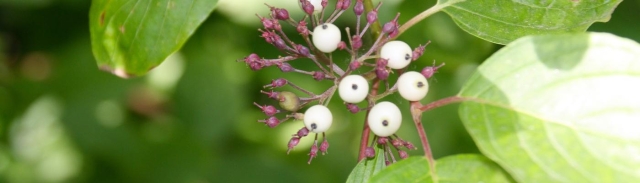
pixel 192 119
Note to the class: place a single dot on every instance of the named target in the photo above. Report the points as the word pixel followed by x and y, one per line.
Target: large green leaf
pixel 129 38
pixel 457 168
pixel 367 168
pixel 559 108
pixel 502 21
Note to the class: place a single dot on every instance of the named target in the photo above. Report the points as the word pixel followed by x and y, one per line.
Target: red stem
pixel 364 140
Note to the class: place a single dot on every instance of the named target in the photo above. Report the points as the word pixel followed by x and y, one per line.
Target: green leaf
pixel 502 21
pixel 470 168
pixel 559 108
pixel 367 168
pixel 129 38
pixel 457 168
pixel 412 169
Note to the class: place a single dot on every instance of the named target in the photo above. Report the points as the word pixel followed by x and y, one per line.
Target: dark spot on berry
pixel 385 123
pixel 354 86
pixel 407 56
pixel 420 84
pixel 324 26
pixel 314 126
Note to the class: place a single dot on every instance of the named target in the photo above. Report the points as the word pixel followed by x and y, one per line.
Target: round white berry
pixel 318 118
pixel 412 86
pixel 384 119
pixel 326 37
pixel 317 5
pixel 353 88
pixel 398 53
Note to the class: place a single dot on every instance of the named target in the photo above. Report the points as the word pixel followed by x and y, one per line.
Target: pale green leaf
pixel 367 168
pixel 559 108
pixel 456 168
pixel 502 21
pixel 129 38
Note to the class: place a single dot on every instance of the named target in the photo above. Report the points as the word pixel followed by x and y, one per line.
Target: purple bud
pixel 356 42
pixel 277 83
pixel 381 63
pixel 372 16
pixel 318 75
pixel 346 4
pixel 382 74
pixel 409 145
pixel 303 132
pixel 389 27
pixel 428 71
pixel 272 122
pixel 324 3
pixel 403 154
pixel 339 4
pixel 397 143
pixel 267 23
pixel 324 146
pixel 353 108
pixel 313 153
pixel 292 143
pixel 342 45
pixel 302 28
pixel 387 162
pixel 269 110
pixel 280 13
pixel 355 65
pixel 358 8
pixel 418 52
pixel 302 50
pixel 251 58
pixel 285 67
pixel 383 140
pixel 255 66
pixel 307 7
pixel 280 43
pixel 276 25
pixel 370 152
pixel 271 94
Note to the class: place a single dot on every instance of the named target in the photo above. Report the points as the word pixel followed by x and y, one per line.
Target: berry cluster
pixel 384 57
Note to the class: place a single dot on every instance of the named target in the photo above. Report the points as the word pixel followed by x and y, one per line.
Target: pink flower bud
pixel 370 152
pixel 358 9
pixel 303 132
pixel 403 154
pixel 324 146
pixel 353 108
pixel 372 16
pixel 292 143
pixel 383 140
pixel 356 42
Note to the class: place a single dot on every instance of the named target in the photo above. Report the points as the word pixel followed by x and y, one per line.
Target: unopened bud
pixel 370 152
pixel 358 9
pixel 303 132
pixel 372 16
pixel 324 146
pixel 292 143
pixel 383 140
pixel 403 154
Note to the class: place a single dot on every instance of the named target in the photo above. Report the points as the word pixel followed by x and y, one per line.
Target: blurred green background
pixel 192 118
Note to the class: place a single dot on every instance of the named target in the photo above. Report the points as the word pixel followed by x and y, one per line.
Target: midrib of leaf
pixel 578 132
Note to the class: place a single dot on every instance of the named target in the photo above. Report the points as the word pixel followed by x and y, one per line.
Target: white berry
pixel 384 119
pixel 412 86
pixel 318 118
pixel 326 37
pixel 353 88
pixel 398 53
pixel 317 5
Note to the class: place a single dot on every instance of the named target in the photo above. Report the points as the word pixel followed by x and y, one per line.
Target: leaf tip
pixel 120 72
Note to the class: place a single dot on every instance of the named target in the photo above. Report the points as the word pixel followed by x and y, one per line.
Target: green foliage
pixel 367 168
pixel 457 168
pixel 559 108
pixel 129 38
pixel 502 21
